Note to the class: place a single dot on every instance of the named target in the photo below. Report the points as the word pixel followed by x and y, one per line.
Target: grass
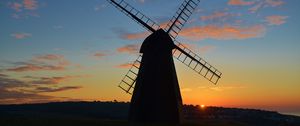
pixel 22 121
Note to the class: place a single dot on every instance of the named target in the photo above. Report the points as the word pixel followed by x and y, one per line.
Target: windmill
pixel 152 79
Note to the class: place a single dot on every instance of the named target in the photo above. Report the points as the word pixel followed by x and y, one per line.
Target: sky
pixel 73 50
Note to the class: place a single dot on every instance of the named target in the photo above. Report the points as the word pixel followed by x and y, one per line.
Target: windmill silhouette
pixel 152 79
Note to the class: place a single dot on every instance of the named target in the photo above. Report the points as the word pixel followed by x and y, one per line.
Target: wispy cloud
pixel 130 48
pixel 140 1
pixel 265 3
pixel 30 4
pixel 134 36
pixel 100 7
pixel 215 15
pixel 21 35
pixel 21 91
pixel 124 65
pixel 186 90
pixel 274 3
pixel 52 62
pixel 48 89
pixel 35 67
pixel 16 6
pixel 207 48
pixel 49 57
pixel 240 2
pixel 99 55
pixel 225 32
pixel 276 19
pixel 223 88
pixel 24 8
pixel 50 80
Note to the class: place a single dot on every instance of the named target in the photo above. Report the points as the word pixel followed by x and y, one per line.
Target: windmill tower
pixel 152 79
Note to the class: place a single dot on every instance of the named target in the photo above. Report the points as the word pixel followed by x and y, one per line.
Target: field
pixel 116 114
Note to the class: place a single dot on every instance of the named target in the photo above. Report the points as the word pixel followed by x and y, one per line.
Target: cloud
pixel 134 36
pixel 256 7
pixel 186 90
pixel 275 19
pixel 6 82
pixel 226 32
pixel 130 48
pixel 274 3
pixel 52 62
pixel 125 65
pixel 240 2
pixel 50 57
pixel 205 49
pixel 13 97
pixel 50 80
pixel 99 55
pixel 14 90
pixel 215 15
pixel 223 88
pixel 24 8
pixel 30 4
pixel 100 7
pixel 47 89
pixel 20 35
pixel 16 6
pixel 265 3
pixel 141 1
pixel 34 67
pixel 3 75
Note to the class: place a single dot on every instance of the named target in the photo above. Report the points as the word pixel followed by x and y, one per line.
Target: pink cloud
pixel 50 57
pixel 214 16
pixel 225 32
pixel 134 36
pixel 21 35
pixel 265 3
pixel 274 3
pixel 131 48
pixel 125 65
pixel 276 20
pixel 30 4
pixel 99 55
pixel 16 6
pixel 240 2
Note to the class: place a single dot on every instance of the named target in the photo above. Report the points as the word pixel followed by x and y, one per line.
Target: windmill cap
pixel 158 41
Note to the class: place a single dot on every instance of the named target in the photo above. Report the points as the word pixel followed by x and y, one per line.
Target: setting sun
pixel 202 106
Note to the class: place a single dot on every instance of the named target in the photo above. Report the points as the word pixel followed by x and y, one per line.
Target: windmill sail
pixel 182 15
pixel 134 14
pixel 193 61
pixel 128 81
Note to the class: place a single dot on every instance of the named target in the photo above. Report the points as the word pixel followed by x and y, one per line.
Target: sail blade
pixel 193 61
pixel 128 81
pixel 134 14
pixel 182 15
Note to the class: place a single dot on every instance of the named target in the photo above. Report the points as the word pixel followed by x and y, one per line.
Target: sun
pixel 202 106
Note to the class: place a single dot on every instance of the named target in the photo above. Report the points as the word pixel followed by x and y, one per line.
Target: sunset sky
pixel 61 50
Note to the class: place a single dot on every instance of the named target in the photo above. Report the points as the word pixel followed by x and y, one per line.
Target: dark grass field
pixel 101 122
pixel 115 114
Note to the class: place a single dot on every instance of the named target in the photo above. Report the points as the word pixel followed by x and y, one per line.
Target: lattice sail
pixel 128 81
pixel 134 14
pixel 193 61
pixel 181 17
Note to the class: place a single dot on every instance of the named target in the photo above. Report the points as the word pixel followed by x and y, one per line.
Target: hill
pixel 115 113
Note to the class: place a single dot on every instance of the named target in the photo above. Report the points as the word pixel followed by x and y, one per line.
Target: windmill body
pixel 152 79
pixel 156 96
